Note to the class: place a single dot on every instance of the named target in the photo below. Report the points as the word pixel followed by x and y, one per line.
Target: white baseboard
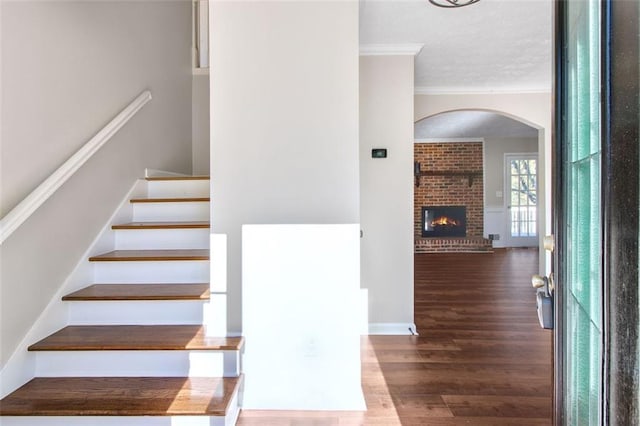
pixel 392 328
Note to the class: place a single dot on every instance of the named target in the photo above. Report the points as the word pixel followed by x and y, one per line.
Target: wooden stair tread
pixel 141 292
pixel 161 178
pixel 135 337
pixel 162 225
pixel 151 255
pixel 171 200
pixel 122 396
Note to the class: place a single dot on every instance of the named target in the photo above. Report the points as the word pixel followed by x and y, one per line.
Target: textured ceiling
pixel 493 45
pixel 471 124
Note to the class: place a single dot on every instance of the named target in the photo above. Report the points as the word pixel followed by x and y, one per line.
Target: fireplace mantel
pixel 469 174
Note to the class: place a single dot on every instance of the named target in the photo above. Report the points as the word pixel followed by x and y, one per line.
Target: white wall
pixel 534 109
pixel 200 124
pixel 284 119
pixel 386 194
pixel 67 69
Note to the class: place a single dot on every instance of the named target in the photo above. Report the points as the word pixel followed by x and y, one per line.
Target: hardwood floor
pixel 164 225
pixel 121 396
pixel 171 200
pixel 141 292
pixel 151 255
pixel 135 338
pixel 481 358
pixel 174 178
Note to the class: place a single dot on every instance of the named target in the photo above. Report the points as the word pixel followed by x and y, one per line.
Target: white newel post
pixel 301 308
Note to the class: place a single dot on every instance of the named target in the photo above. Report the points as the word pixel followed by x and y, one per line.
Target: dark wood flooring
pixel 481 358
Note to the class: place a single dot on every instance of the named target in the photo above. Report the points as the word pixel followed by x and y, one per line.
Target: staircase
pixel 136 350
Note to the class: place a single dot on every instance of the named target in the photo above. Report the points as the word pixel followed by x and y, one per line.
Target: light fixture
pixel 452 3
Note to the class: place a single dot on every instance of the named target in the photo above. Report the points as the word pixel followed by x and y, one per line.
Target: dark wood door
pixel 596 206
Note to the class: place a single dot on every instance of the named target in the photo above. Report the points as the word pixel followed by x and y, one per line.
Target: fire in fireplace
pixel 444 221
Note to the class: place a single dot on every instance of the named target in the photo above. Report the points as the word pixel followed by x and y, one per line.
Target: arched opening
pixel 486 162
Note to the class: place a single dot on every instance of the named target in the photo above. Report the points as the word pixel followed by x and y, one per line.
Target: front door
pixel 581 274
pixel 596 211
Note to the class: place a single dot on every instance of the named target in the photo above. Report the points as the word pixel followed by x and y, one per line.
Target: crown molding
pixel 410 49
pixel 424 90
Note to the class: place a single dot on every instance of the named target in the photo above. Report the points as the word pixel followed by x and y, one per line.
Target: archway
pixel 531 108
pixel 502 203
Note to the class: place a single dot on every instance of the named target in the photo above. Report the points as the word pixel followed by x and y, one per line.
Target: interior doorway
pixel 511 215
pixel 483 304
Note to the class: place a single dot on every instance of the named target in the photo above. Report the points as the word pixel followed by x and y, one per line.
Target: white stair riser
pixel 196 271
pixel 162 239
pixel 178 188
pixel 139 363
pixel 171 211
pixel 147 312
pixel 120 420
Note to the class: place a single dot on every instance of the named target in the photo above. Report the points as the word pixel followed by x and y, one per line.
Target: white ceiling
pixel 471 124
pixel 490 46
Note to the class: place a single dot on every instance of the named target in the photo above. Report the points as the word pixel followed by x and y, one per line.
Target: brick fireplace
pixel 449 175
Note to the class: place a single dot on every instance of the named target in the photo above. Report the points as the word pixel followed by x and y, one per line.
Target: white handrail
pixel 20 213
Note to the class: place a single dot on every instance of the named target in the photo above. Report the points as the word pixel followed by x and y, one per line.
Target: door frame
pixel 621 41
pixel 620 184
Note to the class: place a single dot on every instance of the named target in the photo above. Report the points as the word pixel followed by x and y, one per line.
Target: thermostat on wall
pixel 379 153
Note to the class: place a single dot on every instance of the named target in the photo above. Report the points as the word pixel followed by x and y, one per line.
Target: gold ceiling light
pixel 452 3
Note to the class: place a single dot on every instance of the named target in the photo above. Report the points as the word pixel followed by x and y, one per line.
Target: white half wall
pixel 534 109
pixel 302 329
pixel 284 119
pixel 495 222
pixel 386 187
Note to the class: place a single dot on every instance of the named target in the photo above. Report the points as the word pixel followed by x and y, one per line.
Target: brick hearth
pixel 442 245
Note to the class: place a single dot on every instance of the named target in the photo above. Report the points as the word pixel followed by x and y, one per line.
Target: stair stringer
pixel 21 366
